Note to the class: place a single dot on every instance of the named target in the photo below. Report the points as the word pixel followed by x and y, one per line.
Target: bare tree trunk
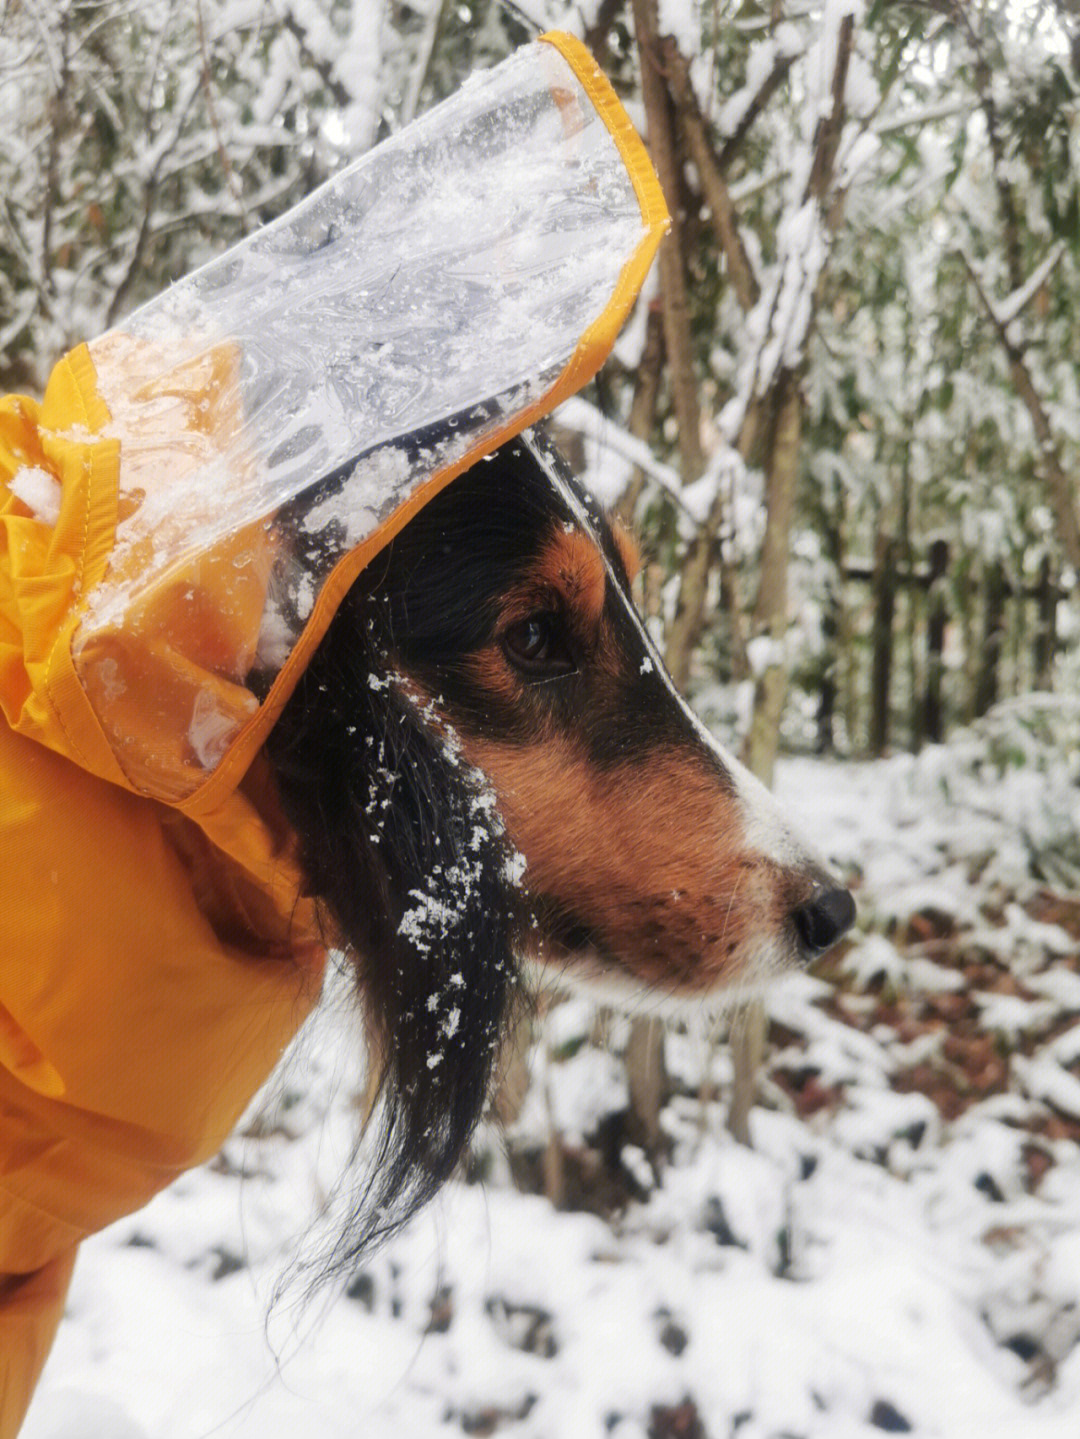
pixel 647 1077
pixel 770 617
pixel 966 603
pixel 936 620
pixel 782 446
pixel 832 631
pixel 554 1170
pixel 912 604
pixel 748 1035
pixel 673 294
pixel 987 683
pixel 770 612
pixel 849 661
pixel 1045 646
pixel 884 602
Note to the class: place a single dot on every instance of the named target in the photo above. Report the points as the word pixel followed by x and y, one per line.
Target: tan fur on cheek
pixel 649 857
pixel 493 676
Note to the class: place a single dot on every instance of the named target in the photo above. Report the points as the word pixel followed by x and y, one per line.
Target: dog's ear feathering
pixel 403 847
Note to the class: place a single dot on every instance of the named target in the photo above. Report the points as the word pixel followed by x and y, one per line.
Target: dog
pixel 486 761
pixel 484 764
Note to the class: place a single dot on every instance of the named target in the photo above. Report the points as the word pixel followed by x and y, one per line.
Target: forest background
pixel 844 419
pixel 852 393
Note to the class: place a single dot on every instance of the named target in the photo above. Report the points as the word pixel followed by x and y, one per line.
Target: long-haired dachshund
pixel 486 759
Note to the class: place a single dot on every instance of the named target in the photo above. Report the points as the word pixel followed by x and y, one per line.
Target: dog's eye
pixel 537 646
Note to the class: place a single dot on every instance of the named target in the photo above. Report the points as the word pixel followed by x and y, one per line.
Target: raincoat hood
pixel 185 510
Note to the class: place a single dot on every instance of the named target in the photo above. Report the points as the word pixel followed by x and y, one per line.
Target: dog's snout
pixel 821 921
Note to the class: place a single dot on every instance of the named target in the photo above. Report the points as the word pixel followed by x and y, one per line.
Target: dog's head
pixel 487 758
pixel 652 858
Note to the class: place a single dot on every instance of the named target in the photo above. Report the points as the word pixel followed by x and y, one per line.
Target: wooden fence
pixel 975 607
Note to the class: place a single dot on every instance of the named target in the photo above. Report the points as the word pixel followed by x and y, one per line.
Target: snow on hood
pixel 284 410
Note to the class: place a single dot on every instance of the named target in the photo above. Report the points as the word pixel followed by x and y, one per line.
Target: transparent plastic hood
pixel 277 408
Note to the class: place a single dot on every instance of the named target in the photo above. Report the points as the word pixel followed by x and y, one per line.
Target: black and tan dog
pixel 486 758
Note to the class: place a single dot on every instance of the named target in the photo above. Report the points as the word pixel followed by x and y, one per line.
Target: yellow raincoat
pixel 157 951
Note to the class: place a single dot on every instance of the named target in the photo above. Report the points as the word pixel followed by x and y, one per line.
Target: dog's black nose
pixel 821 921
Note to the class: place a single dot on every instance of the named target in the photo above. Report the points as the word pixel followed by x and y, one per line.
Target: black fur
pixel 401 843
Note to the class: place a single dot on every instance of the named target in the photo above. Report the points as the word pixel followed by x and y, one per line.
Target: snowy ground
pixel 900 1253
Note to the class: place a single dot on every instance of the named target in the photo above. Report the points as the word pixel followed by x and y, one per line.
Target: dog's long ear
pixel 401 842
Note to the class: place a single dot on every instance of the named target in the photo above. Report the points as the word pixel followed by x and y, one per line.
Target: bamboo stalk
pixel 673 294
